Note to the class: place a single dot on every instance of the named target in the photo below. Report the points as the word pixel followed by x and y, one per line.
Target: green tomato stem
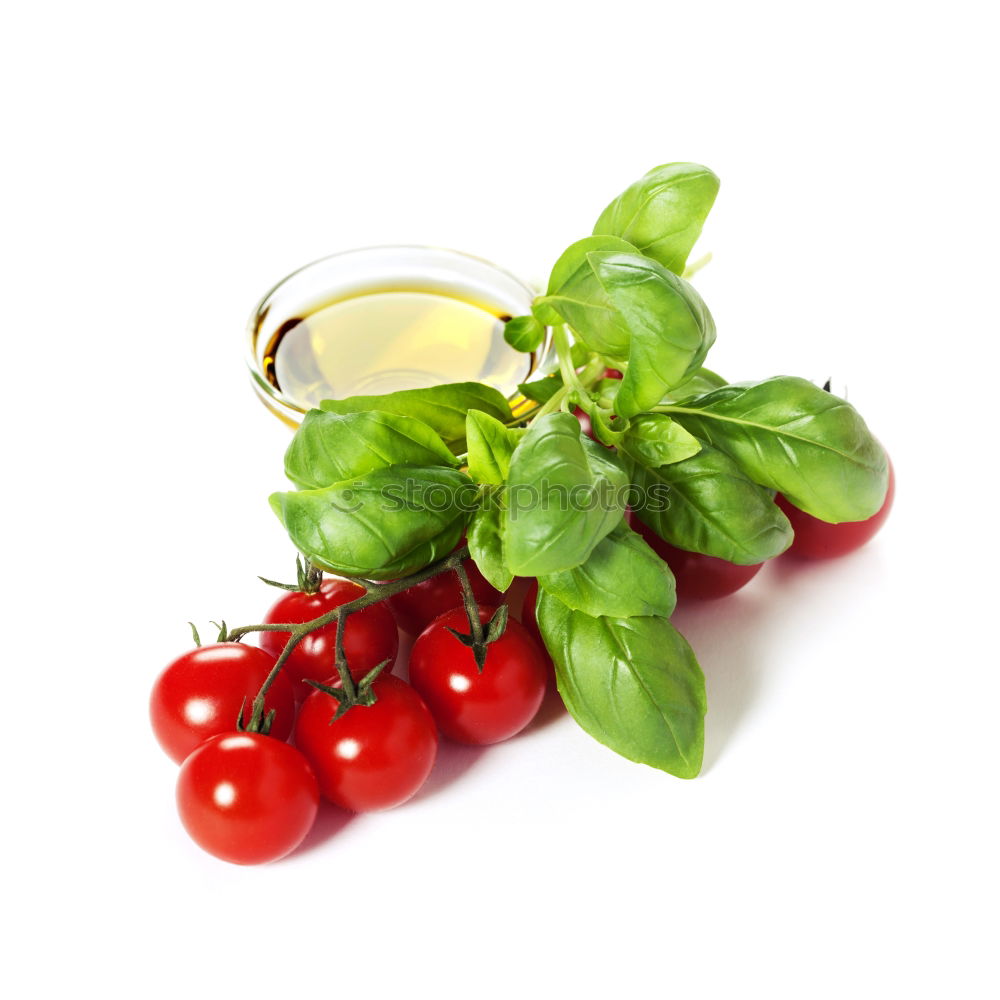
pixel 374 592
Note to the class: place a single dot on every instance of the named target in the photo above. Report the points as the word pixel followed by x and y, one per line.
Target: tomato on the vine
pixel 370 635
pixel 473 707
pixel 201 693
pixel 247 798
pixel 374 756
pixel 816 539
pixel 416 607
pixel 699 577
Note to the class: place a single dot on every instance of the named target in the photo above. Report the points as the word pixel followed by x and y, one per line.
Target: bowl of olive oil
pixel 380 319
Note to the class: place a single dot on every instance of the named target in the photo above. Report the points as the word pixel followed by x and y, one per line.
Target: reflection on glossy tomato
pixel 370 635
pixel 699 577
pixel 374 756
pixel 201 693
pixel 816 539
pixel 247 798
pixel 473 707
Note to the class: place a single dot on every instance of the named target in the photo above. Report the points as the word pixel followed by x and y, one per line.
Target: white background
pixel 164 164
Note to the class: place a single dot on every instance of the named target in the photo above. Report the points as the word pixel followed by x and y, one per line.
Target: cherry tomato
pixel 370 635
pixel 247 798
pixel 200 695
pixel 374 756
pixel 417 607
pixel 473 707
pixel 699 577
pixel 816 539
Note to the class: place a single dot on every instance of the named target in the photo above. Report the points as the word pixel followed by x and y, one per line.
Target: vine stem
pixel 374 592
pixel 471 606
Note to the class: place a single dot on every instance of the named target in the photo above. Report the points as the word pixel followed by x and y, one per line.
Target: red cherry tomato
pixel 374 756
pixel 247 798
pixel 417 607
pixel 370 635
pixel 200 695
pixel 816 539
pixel 585 424
pixel 473 707
pixel 699 577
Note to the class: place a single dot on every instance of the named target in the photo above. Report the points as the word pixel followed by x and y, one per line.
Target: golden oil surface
pixel 384 341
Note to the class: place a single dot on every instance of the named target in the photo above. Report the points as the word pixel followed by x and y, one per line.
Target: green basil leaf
pixel 623 577
pixel 670 326
pixel 485 538
pixel 632 683
pixel 790 435
pixel 706 504
pixel 442 407
pixel 607 464
pixel 562 497
pixel 491 446
pixel 386 524
pixel 576 297
pixel 551 380
pixel 654 439
pixel 524 333
pixel 331 447
pixel 541 390
pixel 698 384
pixel 662 214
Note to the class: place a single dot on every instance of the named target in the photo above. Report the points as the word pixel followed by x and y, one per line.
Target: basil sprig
pixel 386 485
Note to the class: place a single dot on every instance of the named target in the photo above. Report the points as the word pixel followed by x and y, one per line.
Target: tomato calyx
pixel 221 626
pixel 308 578
pixel 259 721
pixel 357 694
pixel 478 637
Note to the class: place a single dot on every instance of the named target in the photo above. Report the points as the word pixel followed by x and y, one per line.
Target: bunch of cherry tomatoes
pixel 250 796
pixel 247 797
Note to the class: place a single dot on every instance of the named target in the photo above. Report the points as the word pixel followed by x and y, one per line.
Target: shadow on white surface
pixel 330 820
pixel 453 760
pixel 552 710
pixel 732 639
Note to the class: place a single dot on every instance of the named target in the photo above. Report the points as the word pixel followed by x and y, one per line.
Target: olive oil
pixel 382 341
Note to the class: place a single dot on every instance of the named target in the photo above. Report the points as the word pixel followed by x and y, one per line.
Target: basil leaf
pixel 623 577
pixel 576 297
pixel 670 326
pixel 562 498
pixel 386 524
pixel 524 333
pixel 443 407
pixel 541 390
pixel 632 683
pixel 330 447
pixel 485 538
pixel 662 214
pixel 698 384
pixel 550 380
pixel 491 446
pixel 706 504
pixel 790 435
pixel 654 439
pixel 607 464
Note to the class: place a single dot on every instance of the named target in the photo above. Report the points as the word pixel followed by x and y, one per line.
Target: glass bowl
pixel 411 274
